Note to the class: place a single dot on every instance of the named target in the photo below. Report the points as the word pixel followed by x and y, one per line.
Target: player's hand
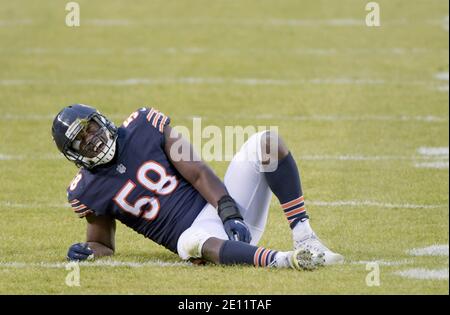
pixel 80 251
pixel 233 222
pixel 237 230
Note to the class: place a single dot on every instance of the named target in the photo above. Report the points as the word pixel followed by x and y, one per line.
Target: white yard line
pixel 323 118
pixel 8 204
pixel 34 157
pixel 441 154
pixel 364 157
pixel 433 250
pixel 369 203
pixel 383 262
pixel 214 81
pixel 17 22
pixel 426 161
pixel 441 165
pixel 32 205
pixel 268 22
pixel 223 51
pixel 424 274
pixel 434 151
pixel 97 263
pixel 444 76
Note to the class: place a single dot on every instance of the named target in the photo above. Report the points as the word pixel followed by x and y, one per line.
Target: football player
pixel 135 174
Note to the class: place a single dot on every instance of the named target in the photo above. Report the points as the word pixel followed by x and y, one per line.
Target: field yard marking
pixel 424 274
pixel 433 250
pixel 441 154
pixel 349 157
pixel 20 205
pixel 426 161
pixel 226 51
pixel 442 23
pixel 383 262
pixel 214 81
pixel 274 22
pixel 363 157
pixel 369 203
pixel 435 165
pixel 34 157
pixel 222 21
pixel 434 151
pixel 97 263
pixel 17 22
pixel 444 76
pixel 324 118
pixel 318 203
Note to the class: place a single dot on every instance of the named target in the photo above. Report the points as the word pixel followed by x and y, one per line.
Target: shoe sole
pixel 303 259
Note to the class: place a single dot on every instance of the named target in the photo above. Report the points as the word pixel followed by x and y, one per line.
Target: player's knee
pixel 273 147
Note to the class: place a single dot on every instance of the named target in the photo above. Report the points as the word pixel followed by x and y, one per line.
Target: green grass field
pixel 363 109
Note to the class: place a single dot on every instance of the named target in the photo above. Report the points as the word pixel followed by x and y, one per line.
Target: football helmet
pixel 84 136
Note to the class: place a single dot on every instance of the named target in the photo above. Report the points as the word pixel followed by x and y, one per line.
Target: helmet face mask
pixel 84 136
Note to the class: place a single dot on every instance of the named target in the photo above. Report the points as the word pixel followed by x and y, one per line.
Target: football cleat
pixel 312 244
pixel 303 259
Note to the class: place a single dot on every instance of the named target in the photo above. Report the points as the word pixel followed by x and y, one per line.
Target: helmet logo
pixel 75 127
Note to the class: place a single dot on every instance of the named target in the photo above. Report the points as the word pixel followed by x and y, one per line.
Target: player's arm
pixel 181 154
pixel 100 239
pixel 100 235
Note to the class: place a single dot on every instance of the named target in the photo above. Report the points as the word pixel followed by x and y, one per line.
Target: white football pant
pixel 246 183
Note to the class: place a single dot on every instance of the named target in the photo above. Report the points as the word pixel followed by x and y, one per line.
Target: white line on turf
pixel 34 157
pixel 383 262
pixel 424 274
pixel 369 203
pixel 433 165
pixel 223 51
pixel 444 76
pixel 273 22
pixel 365 157
pixel 97 263
pixel 324 118
pixel 17 22
pixel 442 151
pixel 433 250
pixel 441 154
pixel 8 204
pixel 214 81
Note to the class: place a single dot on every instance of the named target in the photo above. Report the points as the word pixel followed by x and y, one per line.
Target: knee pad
pixel 190 243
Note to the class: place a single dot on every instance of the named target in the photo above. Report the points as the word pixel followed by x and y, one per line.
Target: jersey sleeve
pixel 79 208
pixel 81 203
pixel 149 121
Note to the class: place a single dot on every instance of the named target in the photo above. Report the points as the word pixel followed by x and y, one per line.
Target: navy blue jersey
pixel 140 188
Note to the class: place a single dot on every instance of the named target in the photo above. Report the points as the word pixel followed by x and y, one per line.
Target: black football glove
pixel 233 222
pixel 80 251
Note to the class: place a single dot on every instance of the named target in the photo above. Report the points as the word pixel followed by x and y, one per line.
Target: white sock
pixel 281 260
pixel 301 230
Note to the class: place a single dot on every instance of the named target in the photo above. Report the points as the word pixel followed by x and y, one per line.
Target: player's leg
pixel 284 181
pixel 207 239
pixel 248 186
pixel 228 252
